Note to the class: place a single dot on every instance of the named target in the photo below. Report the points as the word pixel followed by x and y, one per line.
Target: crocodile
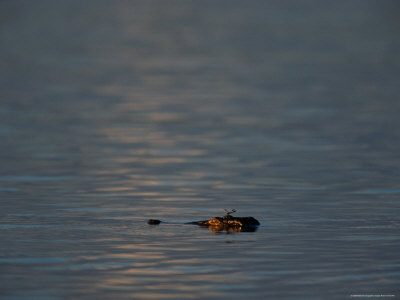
pixel 224 223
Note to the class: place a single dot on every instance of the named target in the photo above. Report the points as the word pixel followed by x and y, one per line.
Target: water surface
pixel 116 112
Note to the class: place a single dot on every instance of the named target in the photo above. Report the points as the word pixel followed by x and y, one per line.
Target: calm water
pixel 113 112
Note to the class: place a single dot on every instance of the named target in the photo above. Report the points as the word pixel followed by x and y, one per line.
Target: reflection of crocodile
pixel 227 223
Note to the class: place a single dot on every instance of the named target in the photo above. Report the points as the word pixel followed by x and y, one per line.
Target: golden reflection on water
pixel 115 189
pixel 149 277
pixel 167 117
pixel 113 171
pixel 152 160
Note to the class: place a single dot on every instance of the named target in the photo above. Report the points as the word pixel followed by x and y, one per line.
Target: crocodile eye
pixel 153 222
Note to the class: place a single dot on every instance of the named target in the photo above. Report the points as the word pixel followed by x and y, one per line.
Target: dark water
pixel 113 112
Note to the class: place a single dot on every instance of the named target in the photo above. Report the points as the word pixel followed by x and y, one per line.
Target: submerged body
pixel 227 222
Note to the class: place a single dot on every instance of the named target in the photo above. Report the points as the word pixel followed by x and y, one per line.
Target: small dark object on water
pixel 226 222
pixel 153 222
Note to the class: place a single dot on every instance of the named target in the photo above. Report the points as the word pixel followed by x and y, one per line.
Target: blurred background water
pixel 113 112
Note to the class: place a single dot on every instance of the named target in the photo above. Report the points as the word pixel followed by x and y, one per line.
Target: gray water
pixel 114 112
